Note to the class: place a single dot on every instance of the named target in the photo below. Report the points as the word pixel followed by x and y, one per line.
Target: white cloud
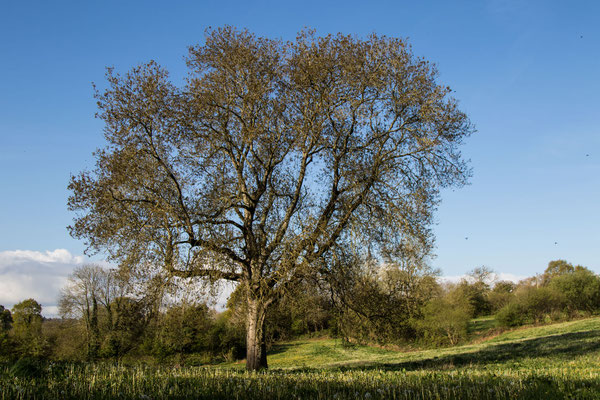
pixel 497 277
pixel 510 277
pixel 225 290
pixel 56 256
pixel 32 274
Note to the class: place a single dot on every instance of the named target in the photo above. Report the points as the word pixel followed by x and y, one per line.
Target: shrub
pixel 532 305
pixel 511 315
pixel 445 320
pixel 580 289
pixel 476 294
pixel 501 294
pixel 540 302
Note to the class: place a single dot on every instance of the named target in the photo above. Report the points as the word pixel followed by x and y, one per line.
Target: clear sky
pixel 526 72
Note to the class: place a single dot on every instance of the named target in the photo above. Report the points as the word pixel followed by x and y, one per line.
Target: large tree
pixel 270 157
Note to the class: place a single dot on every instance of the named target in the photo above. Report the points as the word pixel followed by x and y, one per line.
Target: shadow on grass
pixel 561 347
pixel 280 348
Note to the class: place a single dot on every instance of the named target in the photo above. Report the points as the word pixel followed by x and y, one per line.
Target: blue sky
pixel 526 72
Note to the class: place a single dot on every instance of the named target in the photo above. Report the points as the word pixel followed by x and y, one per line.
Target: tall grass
pixel 105 381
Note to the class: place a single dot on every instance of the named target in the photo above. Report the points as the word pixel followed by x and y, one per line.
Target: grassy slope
pixel 574 344
pixel 560 361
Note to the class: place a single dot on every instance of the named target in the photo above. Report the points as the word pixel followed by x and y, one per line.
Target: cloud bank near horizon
pixel 496 277
pixel 39 275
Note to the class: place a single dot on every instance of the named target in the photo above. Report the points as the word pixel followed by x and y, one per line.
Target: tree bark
pixel 256 349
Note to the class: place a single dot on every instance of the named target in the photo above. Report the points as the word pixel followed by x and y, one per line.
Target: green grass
pixel 552 344
pixel 549 362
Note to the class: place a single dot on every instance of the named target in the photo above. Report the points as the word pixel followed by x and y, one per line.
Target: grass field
pixel 550 362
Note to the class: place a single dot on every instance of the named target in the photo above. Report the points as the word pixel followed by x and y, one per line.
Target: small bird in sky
pixel 467 238
pixel 555 243
pixel 587 155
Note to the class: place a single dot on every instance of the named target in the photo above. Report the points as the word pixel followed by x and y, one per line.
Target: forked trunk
pixel 256 348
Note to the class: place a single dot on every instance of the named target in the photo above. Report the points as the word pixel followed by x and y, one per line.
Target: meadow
pixel 558 361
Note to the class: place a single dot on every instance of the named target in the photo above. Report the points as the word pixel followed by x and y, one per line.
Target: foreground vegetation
pixel 549 362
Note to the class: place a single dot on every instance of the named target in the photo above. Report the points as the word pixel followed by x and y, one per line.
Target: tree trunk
pixel 256 349
pixel 95 338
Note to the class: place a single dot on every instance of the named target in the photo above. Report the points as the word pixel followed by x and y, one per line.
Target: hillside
pixel 574 344
pixel 560 361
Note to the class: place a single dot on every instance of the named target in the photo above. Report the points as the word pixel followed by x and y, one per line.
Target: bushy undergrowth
pixel 572 292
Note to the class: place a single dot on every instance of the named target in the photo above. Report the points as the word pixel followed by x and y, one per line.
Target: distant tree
pixel 228 337
pixel 580 288
pixel 185 328
pixel 410 281
pixel 27 327
pixel 129 320
pixel 501 294
pixel 5 319
pixel 103 301
pixel 561 292
pixel 89 288
pixel 483 276
pixel 445 320
pixel 538 303
pixel 269 157
pixel 6 346
pixel 476 288
pixel 66 338
pixel 309 307
pixel 556 268
pixel 504 287
pixel 476 293
pixel 381 303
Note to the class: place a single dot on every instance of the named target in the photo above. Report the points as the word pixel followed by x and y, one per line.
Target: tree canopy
pixel 271 158
pixel 27 327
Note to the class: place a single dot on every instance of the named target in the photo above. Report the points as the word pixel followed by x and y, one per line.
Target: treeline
pixel 106 315
pixel 562 292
